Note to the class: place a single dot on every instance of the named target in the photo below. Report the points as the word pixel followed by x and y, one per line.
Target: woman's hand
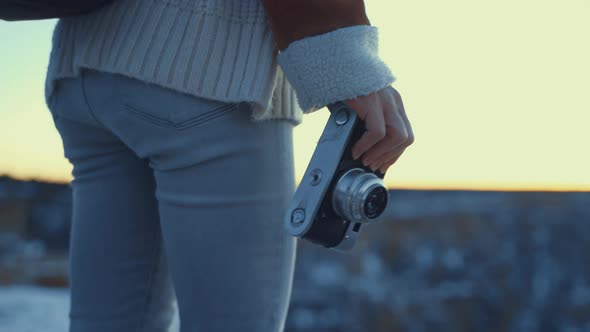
pixel 389 131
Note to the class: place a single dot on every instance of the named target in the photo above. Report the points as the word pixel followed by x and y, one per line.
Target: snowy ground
pixel 34 309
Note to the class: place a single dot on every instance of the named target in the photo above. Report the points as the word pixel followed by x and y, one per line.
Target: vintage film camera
pixel 337 193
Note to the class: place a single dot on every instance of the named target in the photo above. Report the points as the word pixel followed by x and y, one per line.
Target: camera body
pixel 337 193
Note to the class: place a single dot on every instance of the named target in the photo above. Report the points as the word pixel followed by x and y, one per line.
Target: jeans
pixel 178 203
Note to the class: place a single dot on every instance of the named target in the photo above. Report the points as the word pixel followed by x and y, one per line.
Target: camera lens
pixel 359 196
pixel 375 203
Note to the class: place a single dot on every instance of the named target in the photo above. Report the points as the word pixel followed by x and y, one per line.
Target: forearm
pixel 328 50
pixel 293 20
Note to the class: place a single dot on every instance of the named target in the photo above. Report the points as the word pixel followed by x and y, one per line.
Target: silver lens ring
pixel 351 193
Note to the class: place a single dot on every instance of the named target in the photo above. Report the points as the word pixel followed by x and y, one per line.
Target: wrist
pixel 342 64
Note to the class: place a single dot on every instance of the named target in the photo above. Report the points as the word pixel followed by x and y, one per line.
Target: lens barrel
pixel 359 196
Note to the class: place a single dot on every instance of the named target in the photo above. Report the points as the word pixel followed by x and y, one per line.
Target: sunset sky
pixel 497 93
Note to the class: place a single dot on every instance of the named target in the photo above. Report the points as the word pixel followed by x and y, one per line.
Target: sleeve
pixel 327 50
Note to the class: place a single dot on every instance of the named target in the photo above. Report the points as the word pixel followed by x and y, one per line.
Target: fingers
pixel 388 130
pixel 400 104
pixel 396 139
pixel 385 165
pixel 385 161
pixel 399 134
pixel 375 125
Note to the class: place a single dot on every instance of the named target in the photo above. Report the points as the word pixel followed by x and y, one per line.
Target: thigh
pixel 223 184
pixel 119 279
pixel 231 260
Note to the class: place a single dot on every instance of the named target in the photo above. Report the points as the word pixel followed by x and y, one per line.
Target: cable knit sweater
pixel 220 49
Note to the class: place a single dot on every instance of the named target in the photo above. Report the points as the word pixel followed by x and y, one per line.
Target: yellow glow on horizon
pixel 497 93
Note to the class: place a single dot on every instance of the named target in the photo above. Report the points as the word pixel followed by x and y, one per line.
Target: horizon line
pixel 489 187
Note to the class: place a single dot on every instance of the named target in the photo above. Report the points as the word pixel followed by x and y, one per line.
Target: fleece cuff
pixel 341 64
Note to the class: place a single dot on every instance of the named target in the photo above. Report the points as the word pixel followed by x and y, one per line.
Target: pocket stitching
pixel 196 120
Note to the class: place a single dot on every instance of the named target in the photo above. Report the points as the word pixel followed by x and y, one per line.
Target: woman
pixel 177 117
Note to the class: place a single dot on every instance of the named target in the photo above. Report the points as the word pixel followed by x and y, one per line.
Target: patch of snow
pixel 33 309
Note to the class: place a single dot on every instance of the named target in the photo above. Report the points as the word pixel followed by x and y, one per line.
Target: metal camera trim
pixel 351 192
pixel 325 161
pixel 327 165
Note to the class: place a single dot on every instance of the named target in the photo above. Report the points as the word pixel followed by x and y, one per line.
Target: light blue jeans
pixel 174 195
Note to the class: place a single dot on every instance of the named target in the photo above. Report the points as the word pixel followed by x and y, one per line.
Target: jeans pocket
pixel 166 118
pixel 168 108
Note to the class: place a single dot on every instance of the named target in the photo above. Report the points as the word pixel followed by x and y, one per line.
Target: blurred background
pixel 488 228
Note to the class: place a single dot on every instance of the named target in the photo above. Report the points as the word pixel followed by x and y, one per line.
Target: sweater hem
pixel 190 50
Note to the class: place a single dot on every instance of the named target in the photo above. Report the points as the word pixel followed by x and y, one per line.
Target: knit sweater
pixel 218 49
